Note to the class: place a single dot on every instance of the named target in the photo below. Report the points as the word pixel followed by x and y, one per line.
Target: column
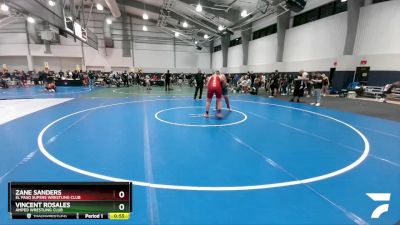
pixel 126 44
pixel 246 38
pixel 368 2
pixel 353 13
pixel 225 40
pixel 211 53
pixel 283 20
pixel 30 62
pixel 47 49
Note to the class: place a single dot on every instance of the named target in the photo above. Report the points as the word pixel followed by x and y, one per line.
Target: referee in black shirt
pixel 199 77
pixel 167 81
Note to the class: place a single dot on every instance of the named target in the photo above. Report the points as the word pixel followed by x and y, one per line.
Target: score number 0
pixel 121 206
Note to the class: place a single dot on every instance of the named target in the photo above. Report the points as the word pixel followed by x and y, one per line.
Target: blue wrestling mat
pixel 266 162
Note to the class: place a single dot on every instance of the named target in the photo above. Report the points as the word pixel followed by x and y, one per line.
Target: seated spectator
pixel 75 75
pixel 240 83
pixel 3 83
pixel 60 74
pixel 248 84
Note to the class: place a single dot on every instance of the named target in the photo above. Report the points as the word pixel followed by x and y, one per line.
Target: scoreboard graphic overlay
pixel 71 200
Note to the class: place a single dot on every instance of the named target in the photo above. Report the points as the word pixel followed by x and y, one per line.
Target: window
pixel 235 42
pixel 299 20
pixel 265 31
pixel 323 11
pixel 312 15
pixel 327 10
pixel 340 7
pixel 378 1
pixel 217 48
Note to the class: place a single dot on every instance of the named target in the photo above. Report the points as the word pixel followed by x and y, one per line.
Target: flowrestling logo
pixel 379 197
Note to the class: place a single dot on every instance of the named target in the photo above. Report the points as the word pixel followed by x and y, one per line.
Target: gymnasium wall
pixel 263 51
pixel 377 41
pixel 379 29
pixel 152 58
pixel 13 49
pixel 56 63
pixel 321 39
pixel 14 62
pixel 315 46
pixel 154 51
pixel 217 60
pixel 235 57
pixel 13 40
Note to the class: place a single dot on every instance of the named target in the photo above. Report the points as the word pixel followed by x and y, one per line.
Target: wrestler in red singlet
pixel 50 87
pixel 214 87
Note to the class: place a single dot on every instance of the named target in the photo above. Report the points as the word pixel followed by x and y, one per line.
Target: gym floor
pixel 268 161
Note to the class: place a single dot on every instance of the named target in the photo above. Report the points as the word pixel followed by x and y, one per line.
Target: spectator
pixel 317 85
pixel 257 84
pixel 252 77
pixel 299 86
pixel 274 85
pixel 325 84
pixel 91 78
pixel 147 81
pixel 125 79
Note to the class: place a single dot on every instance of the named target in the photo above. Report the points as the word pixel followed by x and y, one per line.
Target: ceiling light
pixel 145 16
pixel 108 21
pixel 221 28
pixel 206 36
pixel 176 34
pixel 52 3
pixel 30 19
pixel 199 8
pixel 185 24
pixel 4 7
pixel 343 0
pixel 99 7
pixel 195 42
pixel 244 13
pixel 144 28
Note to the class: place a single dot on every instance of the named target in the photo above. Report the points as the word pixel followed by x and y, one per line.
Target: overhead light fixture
pixel 243 13
pixel 185 24
pixel 177 34
pixel 99 7
pixel 30 19
pixel 52 3
pixel 144 28
pixel 221 28
pixel 206 36
pixel 343 0
pixel 195 42
pixel 199 8
pixel 145 16
pixel 108 21
pixel 4 7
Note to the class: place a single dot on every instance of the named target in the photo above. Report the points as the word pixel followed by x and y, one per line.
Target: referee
pixel 167 81
pixel 199 77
